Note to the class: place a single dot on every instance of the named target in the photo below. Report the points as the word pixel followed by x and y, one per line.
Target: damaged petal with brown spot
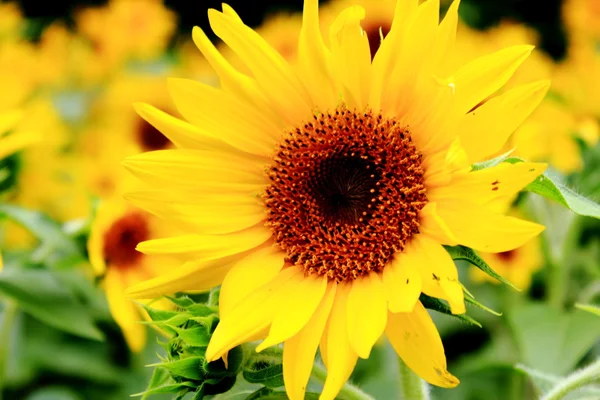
pixel 121 239
pixel 345 193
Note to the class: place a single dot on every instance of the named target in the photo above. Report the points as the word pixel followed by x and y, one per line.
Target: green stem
pixel 411 386
pixel 6 329
pixel 348 391
pixel 574 381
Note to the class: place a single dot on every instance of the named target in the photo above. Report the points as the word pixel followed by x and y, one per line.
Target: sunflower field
pixel 301 199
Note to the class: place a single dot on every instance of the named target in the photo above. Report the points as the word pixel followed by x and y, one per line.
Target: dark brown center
pixel 374 31
pixel 121 239
pixel 346 190
pixel 151 138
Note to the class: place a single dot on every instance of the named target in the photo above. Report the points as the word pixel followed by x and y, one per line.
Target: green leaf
pixel 491 163
pixel 551 340
pixel 50 299
pixel 589 308
pixel 54 393
pixel 190 368
pixel 437 305
pixel 264 370
pixel 469 299
pixel 550 188
pixel 468 254
pixel 55 246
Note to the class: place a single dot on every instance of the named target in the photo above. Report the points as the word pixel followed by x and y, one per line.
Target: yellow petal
pixel 181 133
pixel 204 213
pixel 434 226
pixel 486 185
pixel 299 350
pixel 124 310
pixel 438 272
pixel 386 57
pixel 197 168
pixel 476 227
pixel 9 119
pixel 251 316
pixel 402 282
pixel 224 116
pixel 232 80
pixel 367 313
pixel 249 273
pixel 314 59
pixel 17 141
pixel 483 76
pixel 351 56
pixel 481 131
pixel 417 341
pixel 192 276
pixel 271 71
pixel 338 352
pixel 208 247
pixel 296 308
pixel 445 40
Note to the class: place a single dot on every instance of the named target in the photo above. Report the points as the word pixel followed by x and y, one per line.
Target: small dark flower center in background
pixel 122 238
pixel 374 30
pixel 345 193
pixel 151 138
pixel 507 256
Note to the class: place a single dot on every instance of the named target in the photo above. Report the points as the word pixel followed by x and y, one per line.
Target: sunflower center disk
pixel 346 190
pixel 121 239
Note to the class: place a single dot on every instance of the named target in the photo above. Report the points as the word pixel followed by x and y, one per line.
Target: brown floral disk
pixel 121 239
pixel 345 193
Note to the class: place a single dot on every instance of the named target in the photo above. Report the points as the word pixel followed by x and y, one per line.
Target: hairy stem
pixel 575 381
pixel 411 386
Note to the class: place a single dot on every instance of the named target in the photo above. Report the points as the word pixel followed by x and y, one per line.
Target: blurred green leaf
pixel 50 299
pixel 550 340
pixel 470 255
pixel 54 393
pixel 56 248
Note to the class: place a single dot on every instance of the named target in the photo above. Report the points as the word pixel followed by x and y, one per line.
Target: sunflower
pixel 319 195
pixel 582 19
pixel 115 232
pixel 123 29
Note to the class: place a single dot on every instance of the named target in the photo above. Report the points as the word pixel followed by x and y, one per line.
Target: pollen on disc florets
pixel 345 193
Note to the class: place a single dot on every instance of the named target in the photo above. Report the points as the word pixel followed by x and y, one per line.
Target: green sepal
pixel 468 254
pixel 197 336
pixel 181 301
pixel 469 299
pixel 190 368
pixel 432 303
pixel 265 368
